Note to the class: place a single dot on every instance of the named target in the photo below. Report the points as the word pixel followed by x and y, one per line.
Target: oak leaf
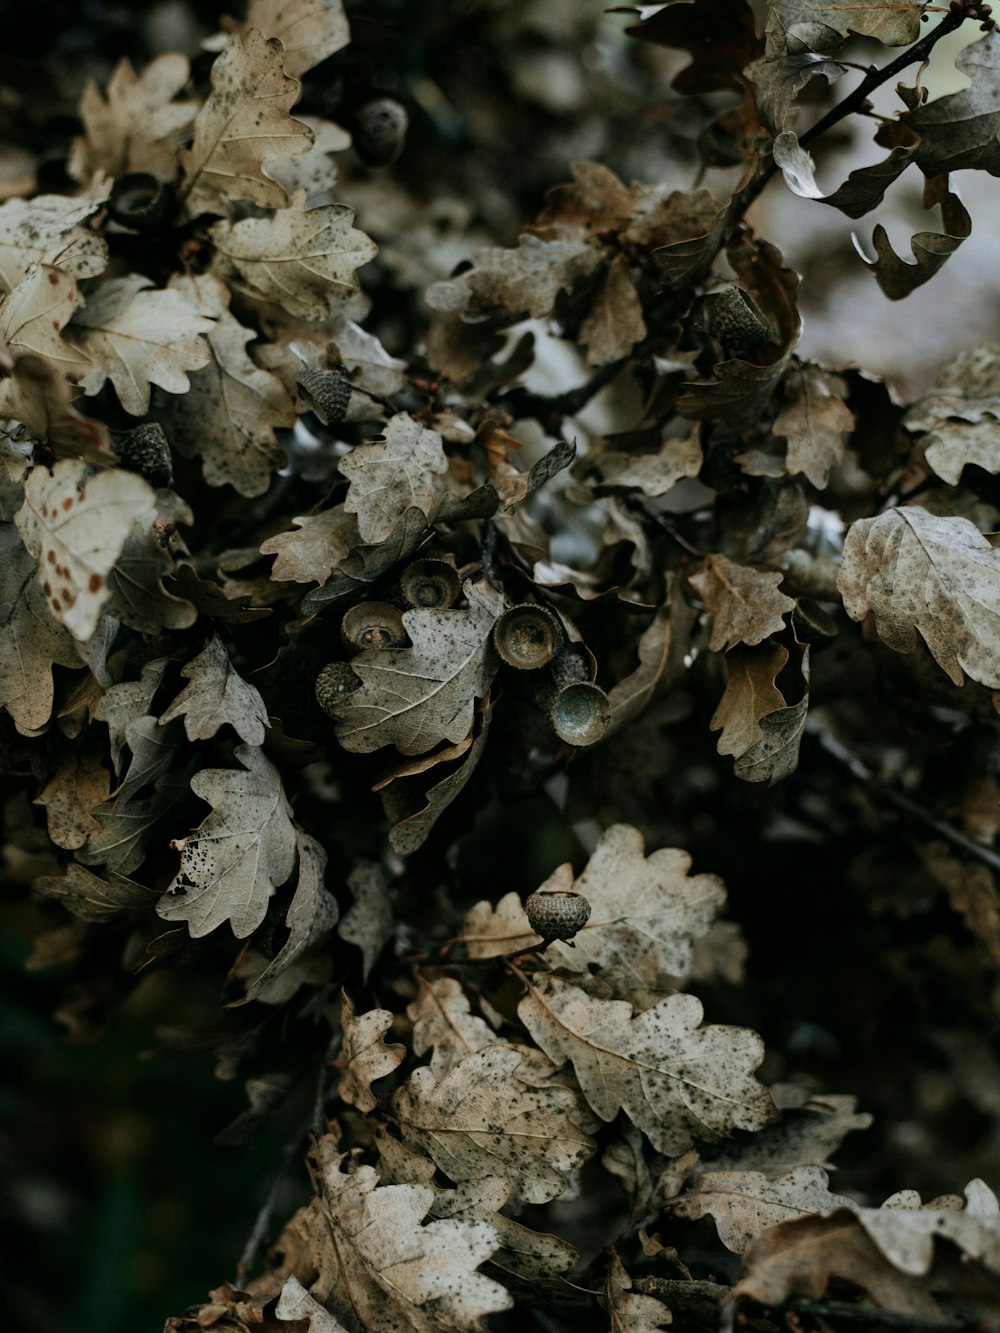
pixel 614 323
pixel 135 338
pixel 745 1203
pixel 48 230
pixel 309 30
pixel 918 573
pixel 396 471
pixel 125 703
pixel 79 783
pixel 628 1311
pixel 216 696
pixel 75 525
pixel 37 395
pixel 415 697
pixel 751 694
pixel 240 853
pixel 369 922
pixel 294 1304
pixel 516 283
pixel 33 315
pixel 479 1119
pixel 90 897
pixel 137 123
pixel 795 26
pixel 677 1081
pixel 962 129
pixel 301 258
pixel 244 124
pixel 744 603
pixel 814 421
pixel 444 1024
pixel 317 545
pixel 806 1135
pixel 364 1056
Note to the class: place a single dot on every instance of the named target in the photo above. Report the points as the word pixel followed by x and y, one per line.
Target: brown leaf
pixel 364 1056
pixel 651 473
pixel 718 58
pixel 413 808
pixel 33 315
pixel 136 124
pixel 744 603
pixel 309 30
pixel 516 283
pixel 814 421
pixel 80 783
pixel 40 397
pixel 614 323
pixel 895 276
pixel 627 1311
pixel 91 898
pixel 750 694
pixel 396 471
pixel 822 25
pixel 972 891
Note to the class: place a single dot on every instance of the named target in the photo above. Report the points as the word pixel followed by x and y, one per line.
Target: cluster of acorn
pixel 528 637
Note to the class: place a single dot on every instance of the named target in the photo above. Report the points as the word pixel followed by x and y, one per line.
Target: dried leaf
pixel 364 1056
pixel 47 230
pixel 138 596
pixel 75 525
pixel 614 323
pixel 312 552
pixel 775 754
pixel 137 124
pixel 79 783
pixel 309 30
pixel 34 314
pixel 40 397
pixel 241 852
pixel 745 1203
pixel 516 283
pixel 628 1312
pixel 295 1303
pixel 369 921
pixel 413 810
pixel 91 898
pixel 392 473
pixel 302 259
pixel 805 1135
pixel 125 703
pixel 661 651
pixel 677 1081
pixel 416 697
pixel 939 577
pixel 244 124
pixel 744 603
pixel 895 276
pixel 953 444
pixel 444 1024
pixel 814 421
pixel 822 25
pixel 750 695
pixel 960 130
pixel 480 1119
pixel 217 696
pixel 135 338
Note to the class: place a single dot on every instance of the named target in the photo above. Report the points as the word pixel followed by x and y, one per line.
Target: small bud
pixel 557 914
pixel 380 131
pixel 430 583
pixel 326 393
pixel 139 201
pixel 146 450
pixel 374 625
pixel 528 636
pixel 333 684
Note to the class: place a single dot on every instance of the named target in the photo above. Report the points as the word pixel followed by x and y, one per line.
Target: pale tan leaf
pixel 138 596
pixel 302 259
pixel 413 808
pixel 489 932
pixel 953 444
pixel 444 1024
pixel 520 282
pixel 240 853
pixel 396 471
pixel 677 1081
pixel 48 230
pixel 750 695
pixel 653 474
pixel 744 603
pixel 229 415
pixel 745 1203
pixel 317 546
pixel 918 573
pixel 33 315
pixel 629 1312
pixel 309 30
pixel 480 1119
pixel 75 525
pixel 379 1269
pixel 416 697
pixel 295 1303
pixel 79 783
pixel 814 421
pixel 614 323
pixel 137 124
pixel 364 1056
pixel 135 338
pixel 244 124
pixel 822 25
pixel 37 395
pixel 125 703
pixel 128 824
pixel 216 696
pixel 806 1135
pixel 904 1229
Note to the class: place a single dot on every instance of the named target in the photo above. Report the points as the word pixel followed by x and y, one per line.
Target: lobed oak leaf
pixel 394 472
pixel 444 1024
pixel 628 1311
pixel 135 338
pixel 381 1267
pixel 309 30
pixel 90 897
pixel 369 922
pixel 614 323
pixel 136 124
pixel 295 1304
pixel 33 315
pixel 744 603
pixel 364 1056
pixel 479 1119
pixel 806 1135
pixel 414 808
pixel 48 230
pixel 240 853
pixel 216 696
pixel 772 754
pixel 38 396
pixel 229 415
pixel 243 124
pixel 795 26
pixel 962 129
pixel 301 258
pixel 521 282
pixel 125 703
pixel 898 278
pixel 75 525
pixel 79 783
pixel 814 421
pixel 751 694
pixel 416 697
pixel 939 577
pixel 313 551
pixel 139 597
pixel 678 1082
pixel 128 824
pixel 953 444
pixel 745 1203
pixel 651 473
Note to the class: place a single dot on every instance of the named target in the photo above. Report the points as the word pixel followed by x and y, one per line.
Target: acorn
pixel 735 319
pixel 326 393
pixel 528 636
pixel 374 625
pixel 333 684
pixel 146 450
pixel 430 584
pixel 580 714
pixel 380 131
pixel 139 201
pixel 557 914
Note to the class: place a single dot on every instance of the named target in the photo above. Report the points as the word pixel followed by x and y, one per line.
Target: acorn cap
pixel 528 636
pixel 380 131
pixel 139 201
pixel 326 393
pixel 736 320
pixel 557 914
pixel 333 684
pixel 374 625
pixel 146 450
pixel 580 714
pixel 430 583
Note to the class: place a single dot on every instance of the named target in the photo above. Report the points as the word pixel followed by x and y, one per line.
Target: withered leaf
pixel 137 124
pixel 953 444
pixel 661 650
pixel 229 415
pixel 814 421
pixel 775 754
pixel 40 397
pixel 295 1304
pixel 135 337
pixel 302 259
pixel 125 703
pixel 652 473
pixel 240 853
pixel 744 603
pixel 244 124
pixel 364 1056
pixel 34 314
pixel 516 283
pixel 489 932
pixel 677 1081
pixel 898 278
pixel 216 696
pixel 968 389
pixel 960 130
pixel 139 598
pixel 79 783
pixel 127 824
pixel 630 1312
pixel 91 898
pixel 805 1135
pixel 614 323
pixel 48 230
pixel 75 525
pixel 918 573
pixel 480 1119
pixel 311 553
pixel 309 30
pixel 821 25
pixel 369 921
pixel 718 57
pixel 750 695
pixel 414 808
pixel 396 471
pixel 379 1269
pixel 745 1203
pixel 444 1024
pixel 416 697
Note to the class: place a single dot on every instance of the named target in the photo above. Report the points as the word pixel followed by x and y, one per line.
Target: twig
pixel 887 1318
pixel 864 774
